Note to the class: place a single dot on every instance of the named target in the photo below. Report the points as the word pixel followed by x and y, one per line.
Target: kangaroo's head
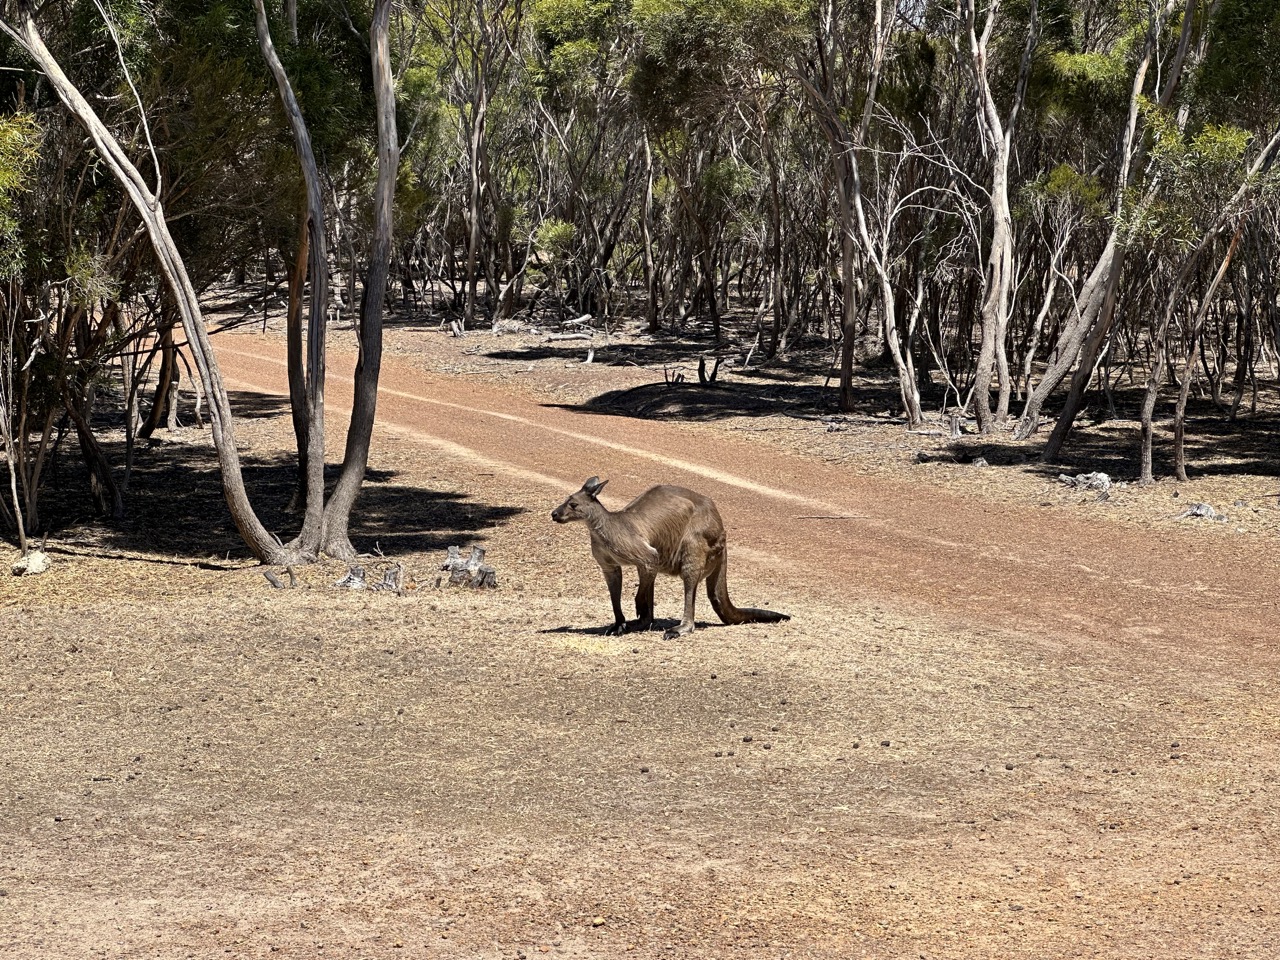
pixel 582 503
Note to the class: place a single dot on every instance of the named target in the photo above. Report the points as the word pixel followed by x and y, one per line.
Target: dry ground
pixel 1005 721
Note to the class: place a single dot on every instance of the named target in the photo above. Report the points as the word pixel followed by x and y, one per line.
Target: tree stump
pixel 472 572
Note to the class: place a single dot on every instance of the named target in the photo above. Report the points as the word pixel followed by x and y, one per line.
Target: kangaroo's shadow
pixel 659 626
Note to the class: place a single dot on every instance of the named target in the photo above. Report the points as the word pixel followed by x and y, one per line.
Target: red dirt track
pixel 901 542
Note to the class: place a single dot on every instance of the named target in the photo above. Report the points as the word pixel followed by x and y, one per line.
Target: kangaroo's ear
pixel 594 486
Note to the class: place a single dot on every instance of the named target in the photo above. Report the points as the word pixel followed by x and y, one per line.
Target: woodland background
pixel 1007 206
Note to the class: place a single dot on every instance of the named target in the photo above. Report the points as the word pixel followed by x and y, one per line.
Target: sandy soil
pixel 1006 719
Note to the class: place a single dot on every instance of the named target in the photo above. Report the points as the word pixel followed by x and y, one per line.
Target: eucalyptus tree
pixel 327 528
pixel 699 66
pixel 21 25
pixel 19 148
pixel 1085 332
pixel 476 42
pixel 997 132
pixel 845 65
pixel 590 157
pixel 337 515
pixel 309 421
pixel 326 520
pixel 1211 184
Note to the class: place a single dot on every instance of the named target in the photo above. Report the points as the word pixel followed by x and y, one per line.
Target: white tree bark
pixel 997 137
pixel 309 539
pixel 337 514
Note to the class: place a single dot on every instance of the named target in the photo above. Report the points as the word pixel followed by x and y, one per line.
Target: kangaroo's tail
pixel 718 594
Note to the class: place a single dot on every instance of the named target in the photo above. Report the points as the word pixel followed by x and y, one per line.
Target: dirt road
pixel 827 529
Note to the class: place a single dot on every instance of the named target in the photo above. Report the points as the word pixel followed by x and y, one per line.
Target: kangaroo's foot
pixel 639 626
pixel 678 631
pixel 616 629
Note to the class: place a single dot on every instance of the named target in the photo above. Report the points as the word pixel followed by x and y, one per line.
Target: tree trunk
pixel 102 484
pixel 995 306
pixel 998 137
pixel 651 270
pixel 297 372
pixel 1092 317
pixel 337 541
pixel 308 542
pixel 908 385
pixel 1155 377
pixel 1089 355
pixel 475 145
pixel 168 372
pixel 1089 307
pixel 848 315
pixel 1193 348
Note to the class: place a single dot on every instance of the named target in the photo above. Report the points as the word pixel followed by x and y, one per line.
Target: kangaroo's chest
pixel 636 552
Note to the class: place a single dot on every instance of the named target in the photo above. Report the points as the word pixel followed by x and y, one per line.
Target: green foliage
pixel 1062 195
pixel 554 241
pixel 1198 173
pixel 132 23
pixel 1239 80
pixel 911 82
pixel 557 22
pixel 576 49
pixel 726 183
pixel 693 52
pixel 89 279
pixel 19 149
pixel 423 120
pixel 1082 72
pixel 1084 77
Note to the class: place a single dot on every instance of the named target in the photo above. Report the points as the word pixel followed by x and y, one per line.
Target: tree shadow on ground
pixel 697 402
pixel 678 352
pixel 748 394
pixel 1215 445
pixel 786 386
pixel 175 507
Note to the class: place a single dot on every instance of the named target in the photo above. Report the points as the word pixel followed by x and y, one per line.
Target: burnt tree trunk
pixel 294 353
pixel 162 408
pixel 102 484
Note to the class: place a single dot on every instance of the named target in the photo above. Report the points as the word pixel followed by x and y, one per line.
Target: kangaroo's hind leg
pixel 691 580
pixel 644 599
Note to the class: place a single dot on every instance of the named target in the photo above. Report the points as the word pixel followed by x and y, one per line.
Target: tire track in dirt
pixel 911 544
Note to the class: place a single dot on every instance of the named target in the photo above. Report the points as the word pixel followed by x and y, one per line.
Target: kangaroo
pixel 667 530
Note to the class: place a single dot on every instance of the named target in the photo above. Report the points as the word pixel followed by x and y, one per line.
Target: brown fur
pixel 667 530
